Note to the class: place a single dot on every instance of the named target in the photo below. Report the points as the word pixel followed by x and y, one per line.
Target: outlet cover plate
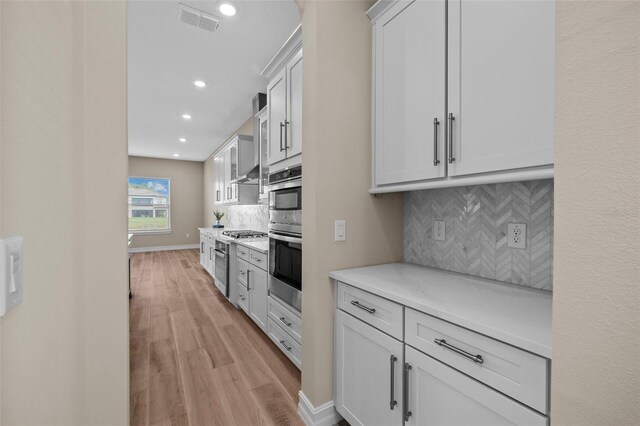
pixel 439 230
pixel 517 235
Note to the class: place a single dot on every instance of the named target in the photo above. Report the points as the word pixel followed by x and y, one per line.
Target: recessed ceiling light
pixel 199 83
pixel 182 140
pixel 227 8
pixel 186 116
pixel 176 155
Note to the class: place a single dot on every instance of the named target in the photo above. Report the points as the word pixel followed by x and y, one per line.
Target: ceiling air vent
pixel 198 18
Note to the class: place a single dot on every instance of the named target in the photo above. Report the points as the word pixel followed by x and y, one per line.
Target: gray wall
pixel 476 231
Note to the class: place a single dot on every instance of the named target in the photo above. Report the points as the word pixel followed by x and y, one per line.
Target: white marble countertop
pixel 258 244
pixel 217 233
pixel 513 314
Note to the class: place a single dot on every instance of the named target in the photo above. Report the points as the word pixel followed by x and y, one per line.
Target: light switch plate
pixel 10 273
pixel 340 230
pixel 439 230
pixel 517 235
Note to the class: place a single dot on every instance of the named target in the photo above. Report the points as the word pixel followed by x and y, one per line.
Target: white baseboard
pixel 163 248
pixel 324 415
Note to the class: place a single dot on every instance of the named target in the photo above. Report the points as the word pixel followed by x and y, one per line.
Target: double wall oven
pixel 285 236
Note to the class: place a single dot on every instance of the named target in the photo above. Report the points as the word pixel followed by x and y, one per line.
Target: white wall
pixel 64 350
pixel 596 300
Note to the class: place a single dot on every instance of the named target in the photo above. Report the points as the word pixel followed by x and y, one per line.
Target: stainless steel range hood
pixel 251 177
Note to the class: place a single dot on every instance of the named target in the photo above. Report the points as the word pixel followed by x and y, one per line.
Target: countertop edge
pixel 249 244
pixel 522 343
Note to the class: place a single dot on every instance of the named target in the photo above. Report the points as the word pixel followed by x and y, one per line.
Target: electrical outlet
pixel 517 235
pixel 438 230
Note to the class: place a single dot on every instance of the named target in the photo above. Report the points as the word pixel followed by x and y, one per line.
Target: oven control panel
pixel 285 175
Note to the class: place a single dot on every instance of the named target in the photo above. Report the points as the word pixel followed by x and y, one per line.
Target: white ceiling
pixel 165 56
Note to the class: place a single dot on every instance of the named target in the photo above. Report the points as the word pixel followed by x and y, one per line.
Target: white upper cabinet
pixel 235 158
pixel 409 99
pixel 293 139
pixel 501 84
pixel 487 115
pixel 284 104
pixel 276 117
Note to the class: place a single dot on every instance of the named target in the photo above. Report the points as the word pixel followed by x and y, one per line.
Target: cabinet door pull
pixel 202 247
pixel 451 157
pixel 444 344
pixel 392 400
pixel 281 127
pixel 364 308
pixel 286 138
pixel 248 288
pixel 283 343
pixel 436 123
pixel 217 195
pixel 284 321
pixel 405 392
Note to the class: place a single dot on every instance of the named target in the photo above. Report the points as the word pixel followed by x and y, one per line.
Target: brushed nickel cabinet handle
pixel 436 123
pixel 283 343
pixel 451 157
pixel 407 413
pixel 392 400
pixel 286 137
pixel 475 358
pixel 248 288
pixel 284 321
pixel 364 308
pixel 281 127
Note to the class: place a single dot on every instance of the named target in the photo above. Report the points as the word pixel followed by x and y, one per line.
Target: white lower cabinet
pixel 252 285
pixel 453 376
pixel 288 345
pixel 368 373
pixel 243 297
pixel 439 395
pixel 258 296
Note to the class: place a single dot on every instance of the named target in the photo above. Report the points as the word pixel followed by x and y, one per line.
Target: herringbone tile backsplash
pixel 476 219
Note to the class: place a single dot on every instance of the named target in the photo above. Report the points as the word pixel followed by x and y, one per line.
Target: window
pixel 149 205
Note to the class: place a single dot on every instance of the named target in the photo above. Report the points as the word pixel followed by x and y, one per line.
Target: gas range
pixel 244 234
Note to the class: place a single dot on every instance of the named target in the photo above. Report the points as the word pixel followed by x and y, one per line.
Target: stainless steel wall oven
pixel 285 236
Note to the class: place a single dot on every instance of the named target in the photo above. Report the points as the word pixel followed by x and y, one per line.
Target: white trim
pixel 324 415
pixel 163 248
pixel 287 51
pixel 378 9
pixel 511 176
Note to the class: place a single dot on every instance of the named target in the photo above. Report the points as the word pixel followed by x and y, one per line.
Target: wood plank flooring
pixel 195 359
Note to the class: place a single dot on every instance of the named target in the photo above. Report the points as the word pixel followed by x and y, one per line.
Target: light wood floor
pixel 195 359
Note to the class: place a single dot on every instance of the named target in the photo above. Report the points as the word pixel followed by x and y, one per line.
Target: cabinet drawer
pixel 291 348
pixel 286 318
pixel 243 267
pixel 243 298
pixel 242 252
pixel 380 313
pixel 514 372
pixel 258 259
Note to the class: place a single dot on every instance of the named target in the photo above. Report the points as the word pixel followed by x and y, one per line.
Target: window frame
pixel 168 207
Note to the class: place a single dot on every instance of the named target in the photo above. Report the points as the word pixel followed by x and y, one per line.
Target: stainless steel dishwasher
pixel 221 278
